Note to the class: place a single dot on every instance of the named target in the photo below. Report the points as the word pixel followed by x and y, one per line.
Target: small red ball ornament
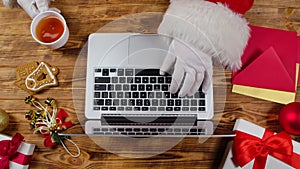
pixel 289 118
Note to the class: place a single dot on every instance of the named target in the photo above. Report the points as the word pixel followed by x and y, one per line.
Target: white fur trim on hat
pixel 213 28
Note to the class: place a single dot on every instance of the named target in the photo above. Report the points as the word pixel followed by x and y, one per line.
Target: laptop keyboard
pixel 140 90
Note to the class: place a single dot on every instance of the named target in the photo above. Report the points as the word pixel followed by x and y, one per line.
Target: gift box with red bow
pixel 255 147
pixel 14 152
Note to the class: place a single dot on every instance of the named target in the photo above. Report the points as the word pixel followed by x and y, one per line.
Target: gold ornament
pixel 4 120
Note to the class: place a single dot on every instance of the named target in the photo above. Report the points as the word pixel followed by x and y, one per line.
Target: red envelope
pixel 269 60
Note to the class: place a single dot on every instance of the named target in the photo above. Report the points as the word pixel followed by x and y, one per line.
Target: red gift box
pixel 14 152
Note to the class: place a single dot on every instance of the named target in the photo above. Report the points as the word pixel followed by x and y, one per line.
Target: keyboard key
pixel 154 102
pixel 129 72
pixel 120 72
pixel 104 108
pixel 116 102
pixel 149 87
pixel 98 70
pixel 174 95
pixel 156 87
pixel 99 102
pixel 139 102
pixel 120 94
pixel 122 80
pixel 193 102
pixel 170 102
pixel 121 108
pixel 168 79
pixel 113 70
pixel 201 108
pixel 151 95
pixel 124 102
pixel 112 95
pixel 105 72
pixel 145 108
pixel 193 109
pixel 164 87
pixel 152 79
pixel 201 102
pixel 159 95
pixel 186 103
pixel 161 108
pixel 161 80
pixel 97 94
pixel 114 80
pixel 137 80
pixel 146 102
pixel 178 102
pixel 145 80
pixel 162 103
pixel 167 94
pixel 102 79
pixel 126 87
pixel 153 108
pixel 112 108
pixel 137 108
pixel 128 108
pixel 129 79
pixel 110 87
pixel 96 108
pixel 185 108
pixel 133 87
pixel 108 102
pixel 177 108
pixel 143 95
pixel 169 108
pixel 100 87
pixel 118 87
pixel 104 94
pixel 127 95
pixel 135 95
pixel 141 87
pixel 131 102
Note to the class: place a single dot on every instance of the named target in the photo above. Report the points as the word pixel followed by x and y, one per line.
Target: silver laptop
pixel 125 91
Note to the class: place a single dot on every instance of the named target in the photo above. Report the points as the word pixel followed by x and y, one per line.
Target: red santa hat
pixel 217 27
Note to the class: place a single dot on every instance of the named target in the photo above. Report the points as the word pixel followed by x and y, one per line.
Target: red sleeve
pixel 238 6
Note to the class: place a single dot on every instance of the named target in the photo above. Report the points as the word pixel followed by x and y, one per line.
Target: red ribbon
pixel 247 147
pixel 60 120
pixel 8 152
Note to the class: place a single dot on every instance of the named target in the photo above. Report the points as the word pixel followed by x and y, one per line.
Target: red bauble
pixel 289 118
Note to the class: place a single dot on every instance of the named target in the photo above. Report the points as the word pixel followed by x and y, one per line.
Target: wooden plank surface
pixel 88 16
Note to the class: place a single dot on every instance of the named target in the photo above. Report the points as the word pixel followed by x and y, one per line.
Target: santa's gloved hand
pixel 192 68
pixel 34 7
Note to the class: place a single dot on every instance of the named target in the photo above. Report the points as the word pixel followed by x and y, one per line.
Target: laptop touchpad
pixel 147 50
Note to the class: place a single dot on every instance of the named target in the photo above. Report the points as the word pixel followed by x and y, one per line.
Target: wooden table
pixel 88 16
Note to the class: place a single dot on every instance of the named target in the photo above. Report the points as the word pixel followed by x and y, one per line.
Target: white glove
pixel 192 68
pixel 34 7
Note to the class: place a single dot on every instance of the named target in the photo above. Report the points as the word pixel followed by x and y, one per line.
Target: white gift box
pixel 24 148
pixel 257 131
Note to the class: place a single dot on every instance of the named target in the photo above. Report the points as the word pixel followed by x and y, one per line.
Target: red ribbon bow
pixel 60 120
pixel 8 152
pixel 247 147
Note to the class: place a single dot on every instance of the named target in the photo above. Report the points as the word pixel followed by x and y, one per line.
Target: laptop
pixel 125 95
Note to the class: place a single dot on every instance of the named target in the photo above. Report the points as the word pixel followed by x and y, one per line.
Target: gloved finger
pixel 42 5
pixel 29 7
pixel 177 78
pixel 189 80
pixel 197 84
pixel 168 63
pixel 207 82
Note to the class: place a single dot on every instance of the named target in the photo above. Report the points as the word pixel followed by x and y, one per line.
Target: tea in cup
pixel 49 28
